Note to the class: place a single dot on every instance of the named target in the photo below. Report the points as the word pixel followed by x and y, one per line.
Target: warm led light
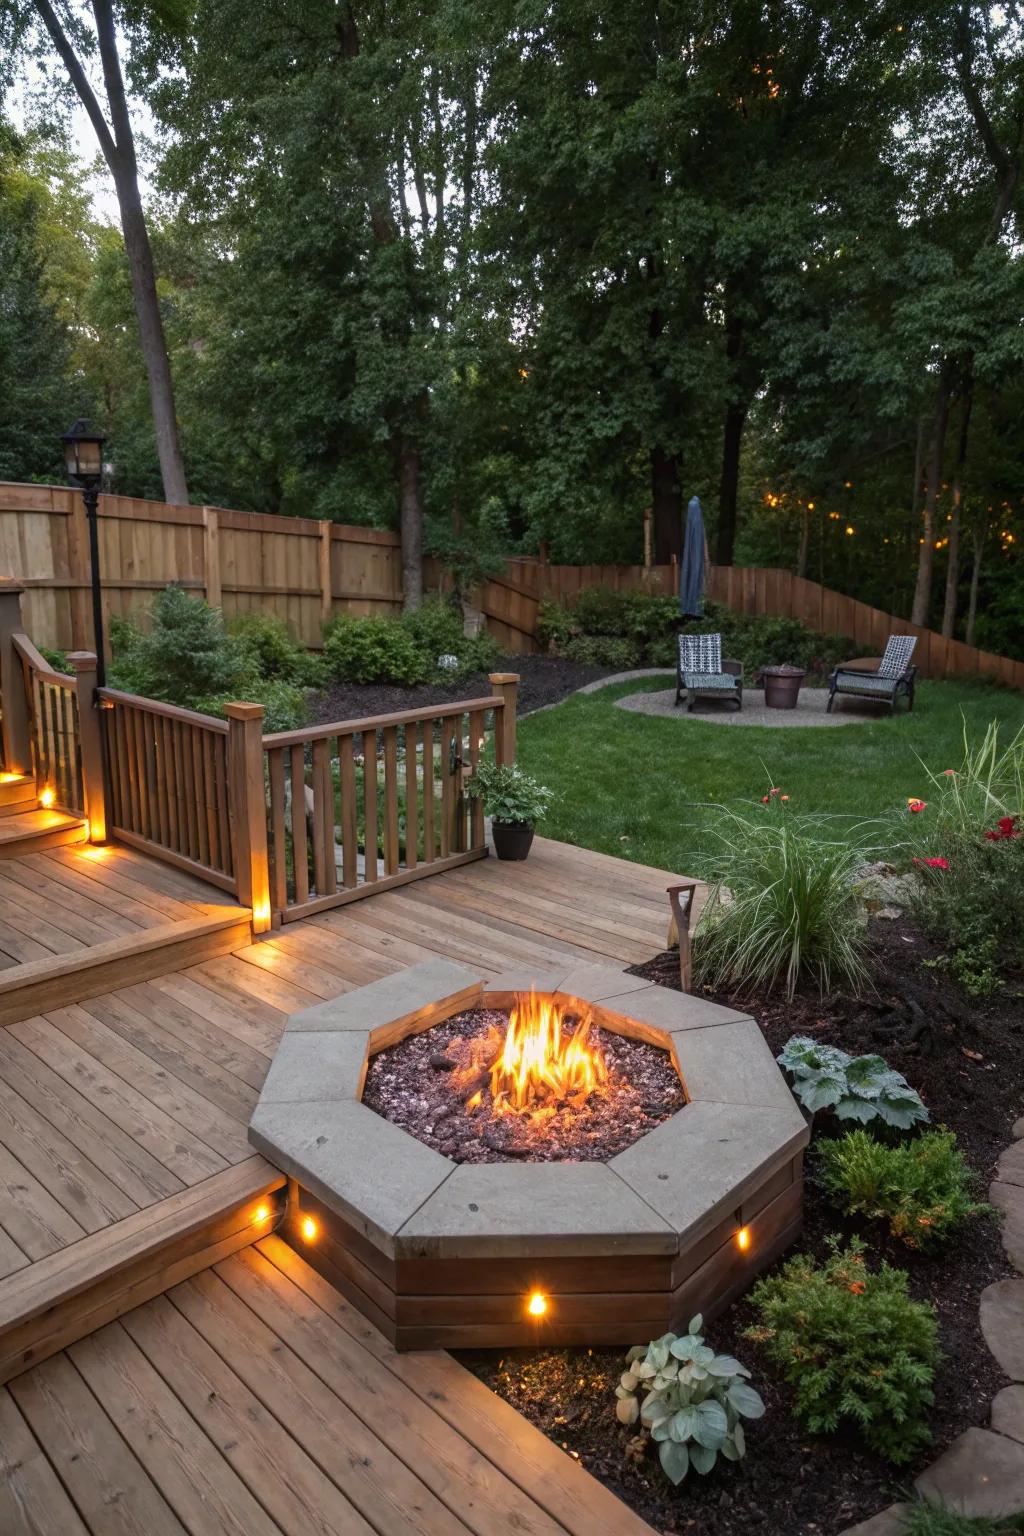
pixel 261 916
pixel 262 1214
pixel 537 1304
pixel 46 798
pixel 309 1229
pixel 743 1239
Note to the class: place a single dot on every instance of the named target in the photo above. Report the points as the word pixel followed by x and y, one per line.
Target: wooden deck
pixel 250 1398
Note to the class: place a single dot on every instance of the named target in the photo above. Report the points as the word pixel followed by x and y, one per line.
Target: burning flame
pixel 540 1065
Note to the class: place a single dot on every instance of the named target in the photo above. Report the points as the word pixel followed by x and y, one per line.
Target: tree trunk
pixel 410 504
pixel 953 568
pixel 725 543
pixel 118 147
pixel 972 605
pixel 805 544
pixel 926 555
pixel 915 493
pixel 666 507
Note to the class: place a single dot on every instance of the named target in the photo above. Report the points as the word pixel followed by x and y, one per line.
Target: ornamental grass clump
pixel 853 1346
pixel 782 908
pixel 862 1088
pixel 923 1188
pixel 689 1399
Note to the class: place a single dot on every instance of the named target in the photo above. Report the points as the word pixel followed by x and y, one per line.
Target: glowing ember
pixel 540 1064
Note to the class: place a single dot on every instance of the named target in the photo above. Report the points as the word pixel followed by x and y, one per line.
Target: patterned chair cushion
pixel 865 682
pixel 897 654
pixel 710 682
pixel 700 654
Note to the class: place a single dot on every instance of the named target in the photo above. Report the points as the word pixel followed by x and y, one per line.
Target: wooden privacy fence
pixel 306 572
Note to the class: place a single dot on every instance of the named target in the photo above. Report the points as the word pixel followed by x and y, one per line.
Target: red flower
pixel 784 798
pixel 949 773
pixel 1006 828
pixel 935 863
pixel 915 806
pixel 765 799
pixel 770 796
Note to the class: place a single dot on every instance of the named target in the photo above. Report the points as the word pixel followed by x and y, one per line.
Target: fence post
pixel 90 744
pixel 326 580
pixel 17 741
pixel 247 804
pixel 507 684
pixel 211 556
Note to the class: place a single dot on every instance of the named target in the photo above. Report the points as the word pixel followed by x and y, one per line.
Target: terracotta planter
pixel 512 839
pixel 782 686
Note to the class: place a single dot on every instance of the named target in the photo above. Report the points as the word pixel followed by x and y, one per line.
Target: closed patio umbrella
pixel 691 570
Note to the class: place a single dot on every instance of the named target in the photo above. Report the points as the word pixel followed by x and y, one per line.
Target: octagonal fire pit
pixel 647 1174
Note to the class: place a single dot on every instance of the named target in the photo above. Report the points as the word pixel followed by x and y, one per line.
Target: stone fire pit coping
pixel 739 1125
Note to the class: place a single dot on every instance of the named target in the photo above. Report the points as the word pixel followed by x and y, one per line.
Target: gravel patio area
pixel 810 709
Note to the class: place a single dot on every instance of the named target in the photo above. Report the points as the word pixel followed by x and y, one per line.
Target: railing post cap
pixel 503 677
pixel 82 661
pixel 244 711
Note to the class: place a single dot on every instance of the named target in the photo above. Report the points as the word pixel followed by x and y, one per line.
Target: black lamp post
pixel 83 459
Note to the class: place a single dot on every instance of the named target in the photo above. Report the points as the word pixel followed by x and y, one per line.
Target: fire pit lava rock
pixel 444 1254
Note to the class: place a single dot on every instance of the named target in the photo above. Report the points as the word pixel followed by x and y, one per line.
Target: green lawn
pixel 647 788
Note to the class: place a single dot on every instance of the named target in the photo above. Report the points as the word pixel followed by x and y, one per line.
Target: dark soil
pixel 426 1083
pixel 966 1058
pixel 543 680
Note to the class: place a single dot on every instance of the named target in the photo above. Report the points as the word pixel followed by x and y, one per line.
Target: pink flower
pixel 949 773
pixel 934 863
pixel 915 806
pixel 1007 828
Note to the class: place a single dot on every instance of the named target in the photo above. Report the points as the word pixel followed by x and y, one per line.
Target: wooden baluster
pixel 111 719
pixel 193 792
pixel 278 865
pixel 135 723
pixel 411 799
pixel 163 727
pixel 220 773
pixel 143 727
pixel 207 741
pixel 199 790
pixel 507 684
pixel 53 740
pixel 349 813
pixel 370 805
pixel 249 810
pixel 90 739
pixel 448 777
pixel 476 805
pixel 14 722
pixel 300 852
pixel 390 735
pixel 182 845
pixel 429 841
pixel 324 872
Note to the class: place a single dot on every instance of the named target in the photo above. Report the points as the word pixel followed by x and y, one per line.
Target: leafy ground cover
pixel 651 789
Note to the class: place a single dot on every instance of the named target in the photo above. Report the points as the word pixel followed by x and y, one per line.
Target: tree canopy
pixel 507 275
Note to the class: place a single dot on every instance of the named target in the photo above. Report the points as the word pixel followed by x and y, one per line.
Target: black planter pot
pixel 512 839
pixel 782 686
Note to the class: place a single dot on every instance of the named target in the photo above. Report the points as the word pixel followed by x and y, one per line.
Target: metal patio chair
pixel 883 678
pixel 701 672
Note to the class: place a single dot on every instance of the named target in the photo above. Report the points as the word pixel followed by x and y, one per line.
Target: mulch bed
pixel 966 1058
pixel 543 680
pixel 423 1084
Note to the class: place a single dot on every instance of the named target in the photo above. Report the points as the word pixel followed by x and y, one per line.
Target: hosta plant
pixel 689 1399
pixel 861 1088
pixel 924 1188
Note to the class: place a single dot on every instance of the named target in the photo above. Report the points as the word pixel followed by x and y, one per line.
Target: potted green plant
pixel 514 801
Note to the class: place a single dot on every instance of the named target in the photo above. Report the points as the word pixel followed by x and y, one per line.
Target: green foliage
pixel 853 1346
pixel 925 1518
pixel 373 651
pixel 782 907
pixel 974 907
pixel 860 1088
pixel 922 1187
pixel 186 654
pixel 436 627
pixel 693 1401
pixel 284 704
pixel 57 659
pixel 604 651
pixel 555 625
pixel 269 650
pixel 509 794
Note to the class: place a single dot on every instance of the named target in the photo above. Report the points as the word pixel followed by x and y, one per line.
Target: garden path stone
pixel 1002 1323
pixel 1018 1129
pixel 1009 1198
pixel 1008 1412
pixel 1010 1167
pixel 981 1474
pixel 888 1523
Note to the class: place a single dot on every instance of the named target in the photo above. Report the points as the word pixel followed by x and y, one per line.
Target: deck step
pixel 52 1303
pixel 40 985
pixel 30 831
pixel 17 793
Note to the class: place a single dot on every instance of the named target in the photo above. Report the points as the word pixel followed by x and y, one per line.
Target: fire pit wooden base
pixel 439 1254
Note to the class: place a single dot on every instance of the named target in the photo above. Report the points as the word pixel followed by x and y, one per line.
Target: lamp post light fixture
pixel 83 460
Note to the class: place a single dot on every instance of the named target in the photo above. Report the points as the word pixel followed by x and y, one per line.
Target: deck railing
pixel 364 805
pixel 168 783
pixel 290 823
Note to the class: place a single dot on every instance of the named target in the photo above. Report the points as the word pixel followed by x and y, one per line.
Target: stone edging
pixel 982 1472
